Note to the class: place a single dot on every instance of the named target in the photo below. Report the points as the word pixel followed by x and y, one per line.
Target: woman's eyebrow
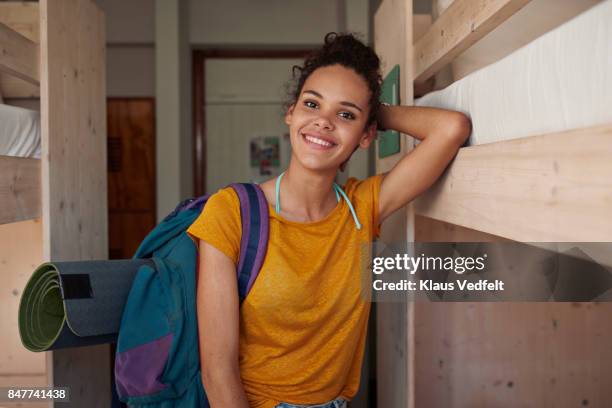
pixel 352 105
pixel 345 103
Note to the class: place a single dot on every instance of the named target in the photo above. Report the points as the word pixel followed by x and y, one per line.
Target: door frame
pixel 199 58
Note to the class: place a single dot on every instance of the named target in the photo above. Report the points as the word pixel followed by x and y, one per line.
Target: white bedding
pixel 560 81
pixel 19 132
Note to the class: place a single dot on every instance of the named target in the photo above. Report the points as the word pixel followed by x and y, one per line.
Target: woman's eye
pixel 347 115
pixel 310 104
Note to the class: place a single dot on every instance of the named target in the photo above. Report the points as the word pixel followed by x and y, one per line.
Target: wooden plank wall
pixel 73 105
pixel 20 242
pixel 19 189
pixel 393 43
pixel 20 253
pixel 509 354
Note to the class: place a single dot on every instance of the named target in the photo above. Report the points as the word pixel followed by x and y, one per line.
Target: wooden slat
pixel 22 17
pixel 461 25
pixel 547 188
pixel 20 197
pixel 18 55
pixel 13 87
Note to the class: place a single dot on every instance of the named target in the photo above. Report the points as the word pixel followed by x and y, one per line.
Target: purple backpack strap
pixel 255 232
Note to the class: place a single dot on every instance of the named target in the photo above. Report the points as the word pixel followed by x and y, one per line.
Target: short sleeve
pixel 366 193
pixel 219 223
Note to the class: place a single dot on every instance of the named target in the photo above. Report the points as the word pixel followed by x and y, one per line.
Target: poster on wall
pixel 265 157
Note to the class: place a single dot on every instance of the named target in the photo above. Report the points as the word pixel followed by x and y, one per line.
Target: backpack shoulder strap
pixel 255 231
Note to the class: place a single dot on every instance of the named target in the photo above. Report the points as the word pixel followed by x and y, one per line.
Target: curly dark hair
pixel 350 52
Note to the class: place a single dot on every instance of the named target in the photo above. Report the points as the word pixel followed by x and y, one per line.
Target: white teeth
pixel 318 141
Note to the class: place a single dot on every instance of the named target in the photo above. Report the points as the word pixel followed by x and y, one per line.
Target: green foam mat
pixel 71 304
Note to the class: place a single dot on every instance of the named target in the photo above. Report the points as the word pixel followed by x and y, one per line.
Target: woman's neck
pixel 306 194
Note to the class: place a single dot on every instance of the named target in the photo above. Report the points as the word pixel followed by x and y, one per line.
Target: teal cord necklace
pixel 337 189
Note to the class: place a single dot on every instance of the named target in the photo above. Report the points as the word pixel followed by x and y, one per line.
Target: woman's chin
pixel 316 164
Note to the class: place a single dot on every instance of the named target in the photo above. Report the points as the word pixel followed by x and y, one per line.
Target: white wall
pixel 130 71
pixel 244 98
pixel 247 80
pixel 270 22
pixel 130 39
pixel 173 105
pixel 129 21
pixel 358 18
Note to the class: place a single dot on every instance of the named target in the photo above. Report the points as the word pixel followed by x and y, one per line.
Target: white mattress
pixel 19 132
pixel 560 81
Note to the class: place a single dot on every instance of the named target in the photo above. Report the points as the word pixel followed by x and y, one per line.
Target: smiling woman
pixel 299 335
pixel 331 113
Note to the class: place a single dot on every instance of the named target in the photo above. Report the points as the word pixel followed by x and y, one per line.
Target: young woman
pixel 298 338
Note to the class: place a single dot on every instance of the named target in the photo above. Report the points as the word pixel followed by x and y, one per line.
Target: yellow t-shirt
pixel 303 325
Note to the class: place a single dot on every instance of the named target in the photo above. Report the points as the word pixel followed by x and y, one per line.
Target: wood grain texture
pixel 513 354
pixel 546 188
pixel 509 354
pixel 73 122
pixel 461 25
pixel 393 44
pixel 131 150
pixel 18 55
pixel 20 254
pixel 131 173
pixel 20 191
pixel 39 380
pixel 393 33
pixel 22 16
pixel 13 87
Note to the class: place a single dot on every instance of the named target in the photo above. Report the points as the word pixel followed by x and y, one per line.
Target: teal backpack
pixel 157 364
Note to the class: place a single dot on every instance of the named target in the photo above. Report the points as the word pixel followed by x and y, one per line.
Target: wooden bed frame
pixel 55 50
pixel 496 354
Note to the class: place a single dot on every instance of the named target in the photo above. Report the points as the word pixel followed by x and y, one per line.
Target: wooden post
pixel 394 349
pixel 74 201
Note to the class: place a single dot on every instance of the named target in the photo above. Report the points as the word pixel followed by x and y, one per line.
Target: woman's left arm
pixel 442 132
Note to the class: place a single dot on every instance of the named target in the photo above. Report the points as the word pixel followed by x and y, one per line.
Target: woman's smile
pixel 317 141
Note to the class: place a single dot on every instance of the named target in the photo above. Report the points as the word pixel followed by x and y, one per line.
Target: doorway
pixel 238 113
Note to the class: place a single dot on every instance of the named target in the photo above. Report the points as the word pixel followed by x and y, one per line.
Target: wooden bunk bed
pixel 552 187
pixel 54 207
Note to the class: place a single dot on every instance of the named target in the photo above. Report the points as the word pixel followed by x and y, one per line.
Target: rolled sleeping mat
pixel 72 304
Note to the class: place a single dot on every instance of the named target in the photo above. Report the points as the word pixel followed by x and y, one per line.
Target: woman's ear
pixel 368 136
pixel 289 114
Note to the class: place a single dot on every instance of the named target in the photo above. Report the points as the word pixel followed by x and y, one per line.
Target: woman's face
pixel 328 121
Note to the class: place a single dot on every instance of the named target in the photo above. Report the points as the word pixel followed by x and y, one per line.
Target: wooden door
pixel 131 173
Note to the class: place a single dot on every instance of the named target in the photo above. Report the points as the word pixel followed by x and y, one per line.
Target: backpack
pixel 157 363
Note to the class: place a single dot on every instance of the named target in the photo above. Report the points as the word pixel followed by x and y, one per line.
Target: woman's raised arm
pixel 218 327
pixel 441 132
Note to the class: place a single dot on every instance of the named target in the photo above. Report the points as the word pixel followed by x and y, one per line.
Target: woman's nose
pixel 324 122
